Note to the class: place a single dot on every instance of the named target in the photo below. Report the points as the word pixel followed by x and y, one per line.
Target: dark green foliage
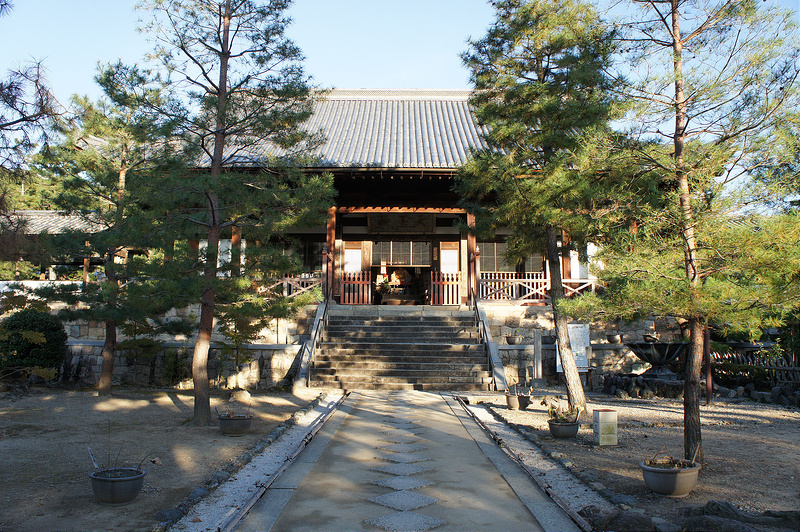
pixel 23 347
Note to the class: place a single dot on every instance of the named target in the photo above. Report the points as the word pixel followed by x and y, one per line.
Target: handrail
pixel 308 350
pixel 493 354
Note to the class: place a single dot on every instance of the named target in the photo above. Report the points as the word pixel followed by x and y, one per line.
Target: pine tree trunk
pixel 109 351
pixel 575 393
pixel 110 343
pixel 202 392
pixel 692 440
pixel 691 392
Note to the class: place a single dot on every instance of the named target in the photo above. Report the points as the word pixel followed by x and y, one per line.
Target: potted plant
pixel 515 338
pixel 564 424
pixel 234 423
pixel 517 400
pixel 669 476
pixel 114 484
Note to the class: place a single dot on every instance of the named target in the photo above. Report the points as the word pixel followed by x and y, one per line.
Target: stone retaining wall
pixel 607 358
pixel 272 362
pixel 264 366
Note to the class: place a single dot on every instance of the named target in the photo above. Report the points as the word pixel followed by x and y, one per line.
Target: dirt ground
pixel 44 437
pixel 751 452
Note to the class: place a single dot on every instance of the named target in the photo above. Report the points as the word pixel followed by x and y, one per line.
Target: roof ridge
pixel 399 94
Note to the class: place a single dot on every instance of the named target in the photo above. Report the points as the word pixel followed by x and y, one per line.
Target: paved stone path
pixel 404 462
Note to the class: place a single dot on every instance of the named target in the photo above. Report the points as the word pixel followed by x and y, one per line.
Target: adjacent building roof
pixel 55 222
pixel 388 128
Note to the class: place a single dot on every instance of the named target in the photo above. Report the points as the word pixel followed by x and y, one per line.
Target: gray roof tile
pixel 386 128
pixel 55 222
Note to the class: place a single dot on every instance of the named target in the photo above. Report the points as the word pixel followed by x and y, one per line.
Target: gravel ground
pixel 750 457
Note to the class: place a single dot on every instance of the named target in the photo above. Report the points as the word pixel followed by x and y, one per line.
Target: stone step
pixel 401 337
pixel 403 320
pixel 357 356
pixel 432 374
pixel 405 347
pixel 442 386
pixel 399 329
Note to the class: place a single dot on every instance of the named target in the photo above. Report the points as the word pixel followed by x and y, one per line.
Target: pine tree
pixel 110 148
pixel 541 91
pixel 236 83
pixel 725 75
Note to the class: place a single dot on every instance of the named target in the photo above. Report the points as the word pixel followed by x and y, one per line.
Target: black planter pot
pixel 235 425
pixel 118 485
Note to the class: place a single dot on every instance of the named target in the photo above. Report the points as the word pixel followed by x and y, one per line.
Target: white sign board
pixel 580 344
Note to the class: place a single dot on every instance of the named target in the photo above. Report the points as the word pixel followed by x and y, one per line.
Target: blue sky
pixel 347 43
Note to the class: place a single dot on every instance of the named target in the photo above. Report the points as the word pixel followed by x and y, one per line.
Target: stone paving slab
pixel 464 484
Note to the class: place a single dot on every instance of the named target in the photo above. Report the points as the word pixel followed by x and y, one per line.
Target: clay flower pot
pixel 563 430
pixel 117 485
pixel 670 477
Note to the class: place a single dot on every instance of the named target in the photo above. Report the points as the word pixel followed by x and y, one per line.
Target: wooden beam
pixel 420 210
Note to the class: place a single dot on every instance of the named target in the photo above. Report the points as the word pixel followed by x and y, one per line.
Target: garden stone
pixel 750 387
pixel 628 521
pixel 775 393
pixel 740 391
pixel 662 525
pixel 722 390
pixel 170 516
pixel 713 523
pixel 197 495
pixel 622 394
pixel 732 394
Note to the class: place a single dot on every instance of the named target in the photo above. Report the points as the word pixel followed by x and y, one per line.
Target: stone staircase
pixel 401 348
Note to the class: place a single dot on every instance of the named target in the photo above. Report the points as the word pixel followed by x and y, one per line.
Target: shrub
pixel 32 338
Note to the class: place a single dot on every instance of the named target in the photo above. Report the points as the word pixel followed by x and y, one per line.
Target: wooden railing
pixel 355 288
pixel 492 353
pixel 445 288
pixel 293 286
pixel 530 287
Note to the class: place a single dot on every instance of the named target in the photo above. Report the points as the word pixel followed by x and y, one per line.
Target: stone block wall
pixel 607 358
pixel 264 367
pixel 272 362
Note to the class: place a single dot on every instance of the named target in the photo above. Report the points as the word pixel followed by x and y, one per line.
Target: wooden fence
pixel 779 370
pixel 356 288
pixel 445 288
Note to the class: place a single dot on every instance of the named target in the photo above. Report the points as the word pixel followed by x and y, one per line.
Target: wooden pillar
pixel 194 247
pixel 86 265
pixel 566 262
pixel 330 243
pixel 236 250
pixel 472 254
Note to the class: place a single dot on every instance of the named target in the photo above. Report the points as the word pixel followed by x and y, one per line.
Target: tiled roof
pixel 429 129
pixel 55 222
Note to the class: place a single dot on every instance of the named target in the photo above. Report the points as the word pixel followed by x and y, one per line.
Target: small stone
pixel 197 494
pixel 732 394
pixel 662 525
pixel 713 523
pixel 170 516
pixel 740 391
pixel 622 394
